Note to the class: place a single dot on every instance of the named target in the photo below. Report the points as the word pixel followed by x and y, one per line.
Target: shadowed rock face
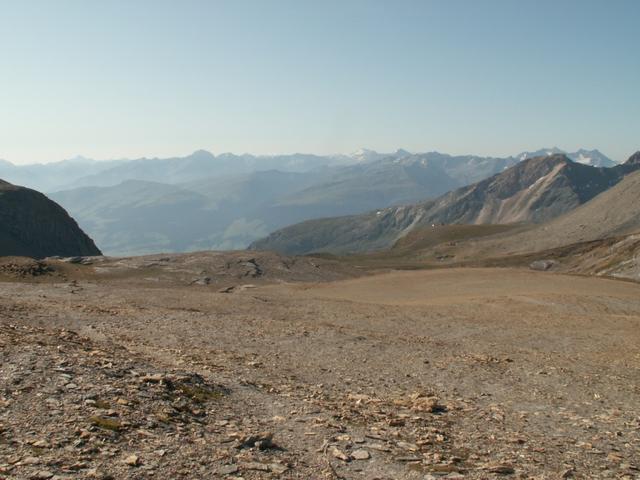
pixel 32 225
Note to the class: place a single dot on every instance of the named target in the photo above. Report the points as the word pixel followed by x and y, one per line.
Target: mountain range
pixel 534 190
pixel 230 211
pixel 205 201
pixel 85 172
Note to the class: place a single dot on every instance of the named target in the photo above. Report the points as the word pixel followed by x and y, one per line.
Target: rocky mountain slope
pixel 614 212
pixel 394 180
pixel 32 225
pixel 535 190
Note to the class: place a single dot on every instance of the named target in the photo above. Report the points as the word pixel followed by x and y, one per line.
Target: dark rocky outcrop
pixel 34 226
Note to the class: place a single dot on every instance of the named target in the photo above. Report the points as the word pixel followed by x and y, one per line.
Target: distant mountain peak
pixel 633 159
pixel 540 153
pixel 594 158
pixel 554 150
pixel 364 151
pixel 202 154
pixel 364 155
pixel 79 159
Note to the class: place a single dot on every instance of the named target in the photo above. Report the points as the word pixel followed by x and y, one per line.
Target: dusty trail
pixel 471 373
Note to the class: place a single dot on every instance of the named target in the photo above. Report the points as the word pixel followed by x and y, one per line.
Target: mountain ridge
pixel 534 190
pixel 82 171
pixel 613 212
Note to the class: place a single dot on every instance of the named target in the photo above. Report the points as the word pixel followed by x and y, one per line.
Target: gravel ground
pixel 459 373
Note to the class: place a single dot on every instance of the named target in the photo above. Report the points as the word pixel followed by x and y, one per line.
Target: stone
pixel 425 403
pixel 542 265
pixel 43 475
pixel 278 468
pixel 132 460
pixel 259 467
pixel 228 469
pixel 501 468
pixel 408 446
pixel 339 454
pixel 261 441
pixel 41 444
pixel 201 281
pixel 360 454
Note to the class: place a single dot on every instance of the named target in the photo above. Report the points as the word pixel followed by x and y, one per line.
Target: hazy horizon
pixel 336 154
pixel 118 79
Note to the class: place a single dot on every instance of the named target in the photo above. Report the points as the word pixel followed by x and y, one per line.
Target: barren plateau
pixel 252 365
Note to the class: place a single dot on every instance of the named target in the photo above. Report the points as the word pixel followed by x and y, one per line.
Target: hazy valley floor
pixel 463 373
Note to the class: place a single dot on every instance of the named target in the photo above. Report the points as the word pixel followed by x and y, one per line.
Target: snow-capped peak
pixel 594 158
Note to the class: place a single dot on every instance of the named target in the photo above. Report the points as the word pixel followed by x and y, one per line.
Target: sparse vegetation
pixel 198 394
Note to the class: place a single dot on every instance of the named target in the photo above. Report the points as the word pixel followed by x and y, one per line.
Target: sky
pixel 115 79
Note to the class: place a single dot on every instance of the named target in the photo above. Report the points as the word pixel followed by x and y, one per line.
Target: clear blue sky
pixel 110 79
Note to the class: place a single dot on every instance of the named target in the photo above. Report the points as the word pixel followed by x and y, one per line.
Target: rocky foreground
pixel 457 374
pixel 72 407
